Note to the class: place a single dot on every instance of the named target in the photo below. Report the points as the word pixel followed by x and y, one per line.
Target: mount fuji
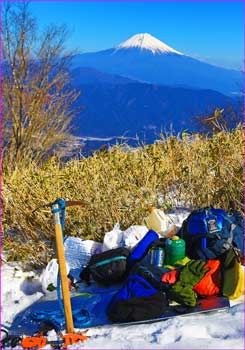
pixel 143 86
pixel 147 59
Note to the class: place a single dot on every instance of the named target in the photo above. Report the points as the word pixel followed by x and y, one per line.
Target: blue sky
pixel 212 31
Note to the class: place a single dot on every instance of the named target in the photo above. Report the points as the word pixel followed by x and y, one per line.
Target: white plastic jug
pixel 158 221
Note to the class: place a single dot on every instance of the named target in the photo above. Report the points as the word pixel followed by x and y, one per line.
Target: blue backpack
pixel 210 232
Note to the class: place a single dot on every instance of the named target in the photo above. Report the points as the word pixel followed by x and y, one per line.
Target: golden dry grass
pixel 118 186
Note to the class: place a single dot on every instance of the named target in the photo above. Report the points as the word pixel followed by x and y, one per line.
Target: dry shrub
pixel 120 184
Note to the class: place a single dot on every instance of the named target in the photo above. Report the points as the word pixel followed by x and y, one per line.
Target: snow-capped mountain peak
pixel 145 41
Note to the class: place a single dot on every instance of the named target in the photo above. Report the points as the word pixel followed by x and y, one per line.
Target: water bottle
pixel 157 256
pixel 174 250
pixel 159 222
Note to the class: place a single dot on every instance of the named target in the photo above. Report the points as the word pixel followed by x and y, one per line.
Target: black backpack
pixel 107 268
pixel 210 232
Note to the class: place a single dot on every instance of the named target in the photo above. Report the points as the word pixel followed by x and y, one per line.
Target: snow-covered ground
pixel 218 330
pixel 223 330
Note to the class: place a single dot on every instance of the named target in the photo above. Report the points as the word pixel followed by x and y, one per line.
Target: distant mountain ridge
pixel 87 75
pixel 113 105
pixel 147 59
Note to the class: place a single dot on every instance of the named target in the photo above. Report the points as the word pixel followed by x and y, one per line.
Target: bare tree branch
pixel 37 98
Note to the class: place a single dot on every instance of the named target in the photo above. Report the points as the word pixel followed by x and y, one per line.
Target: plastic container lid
pixel 175 238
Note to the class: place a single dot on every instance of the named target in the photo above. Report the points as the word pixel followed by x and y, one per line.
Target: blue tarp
pixel 89 305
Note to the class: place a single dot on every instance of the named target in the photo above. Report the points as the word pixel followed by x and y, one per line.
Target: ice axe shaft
pixel 62 268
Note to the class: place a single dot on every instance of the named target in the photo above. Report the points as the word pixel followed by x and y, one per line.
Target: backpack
pixel 107 268
pixel 137 300
pixel 210 232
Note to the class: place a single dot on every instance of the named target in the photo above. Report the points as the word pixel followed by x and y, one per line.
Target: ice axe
pixel 58 211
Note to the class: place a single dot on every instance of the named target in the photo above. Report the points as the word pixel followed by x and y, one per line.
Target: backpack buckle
pixel 237 254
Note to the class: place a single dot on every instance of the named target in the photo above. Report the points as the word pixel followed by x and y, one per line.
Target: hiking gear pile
pixel 209 266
